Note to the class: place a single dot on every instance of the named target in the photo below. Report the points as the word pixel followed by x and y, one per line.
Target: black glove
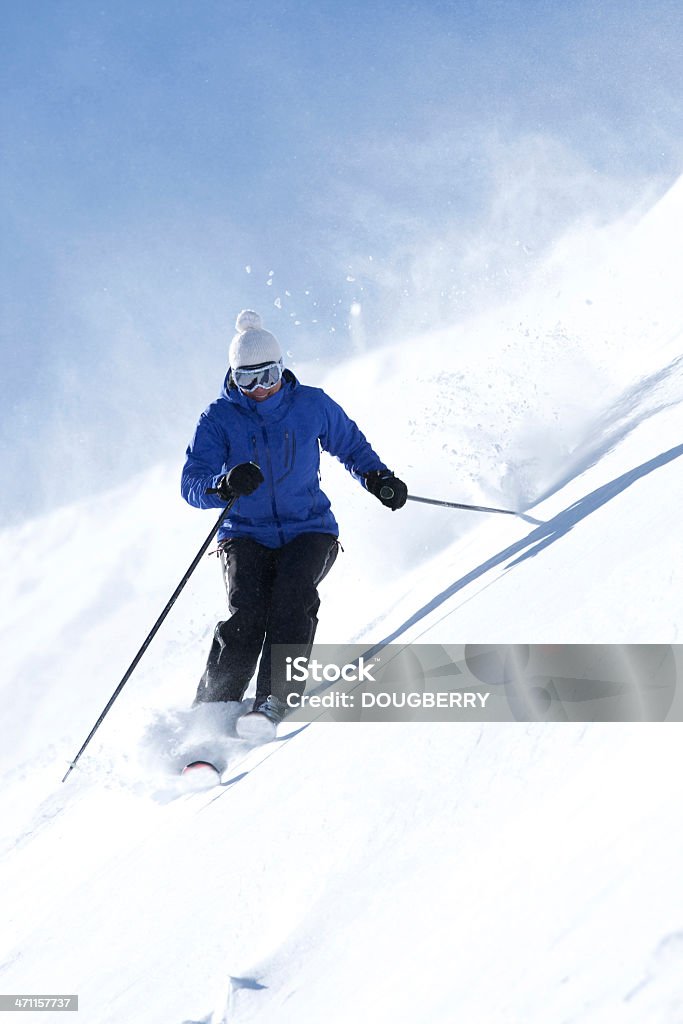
pixel 239 482
pixel 391 491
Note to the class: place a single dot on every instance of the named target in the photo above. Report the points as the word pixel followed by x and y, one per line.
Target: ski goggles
pixel 265 375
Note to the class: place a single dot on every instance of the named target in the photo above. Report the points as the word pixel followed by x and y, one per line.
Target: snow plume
pixel 175 736
pixel 502 406
pixel 490 212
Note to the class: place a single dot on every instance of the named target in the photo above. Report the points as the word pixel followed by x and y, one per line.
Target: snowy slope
pixel 421 875
pixel 487 873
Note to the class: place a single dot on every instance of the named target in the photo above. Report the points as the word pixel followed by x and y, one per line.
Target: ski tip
pixel 196 765
pixel 200 774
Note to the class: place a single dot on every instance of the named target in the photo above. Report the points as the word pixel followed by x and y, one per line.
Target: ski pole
pixel 152 633
pixel 455 504
pixel 388 492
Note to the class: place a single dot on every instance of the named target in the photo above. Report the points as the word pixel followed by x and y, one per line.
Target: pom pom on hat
pixel 252 344
pixel 248 320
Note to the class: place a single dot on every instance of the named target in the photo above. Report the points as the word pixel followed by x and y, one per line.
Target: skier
pixel 259 443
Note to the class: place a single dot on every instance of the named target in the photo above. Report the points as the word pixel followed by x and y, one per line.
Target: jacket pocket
pixel 254 451
pixel 289 454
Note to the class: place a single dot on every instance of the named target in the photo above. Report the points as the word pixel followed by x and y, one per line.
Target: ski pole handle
pixel 386 492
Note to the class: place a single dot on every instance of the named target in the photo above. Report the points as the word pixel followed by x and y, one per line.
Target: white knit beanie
pixel 252 345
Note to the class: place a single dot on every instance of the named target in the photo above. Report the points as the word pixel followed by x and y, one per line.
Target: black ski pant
pixel 273 599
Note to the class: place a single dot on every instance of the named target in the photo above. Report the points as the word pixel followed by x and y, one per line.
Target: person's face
pixel 262 394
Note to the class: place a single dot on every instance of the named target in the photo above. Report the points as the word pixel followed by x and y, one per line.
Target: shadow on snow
pixel 540 538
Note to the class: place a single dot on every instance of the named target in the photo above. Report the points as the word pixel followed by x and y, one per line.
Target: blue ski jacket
pixel 284 436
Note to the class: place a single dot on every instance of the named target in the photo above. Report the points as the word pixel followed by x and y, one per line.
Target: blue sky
pixel 409 157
